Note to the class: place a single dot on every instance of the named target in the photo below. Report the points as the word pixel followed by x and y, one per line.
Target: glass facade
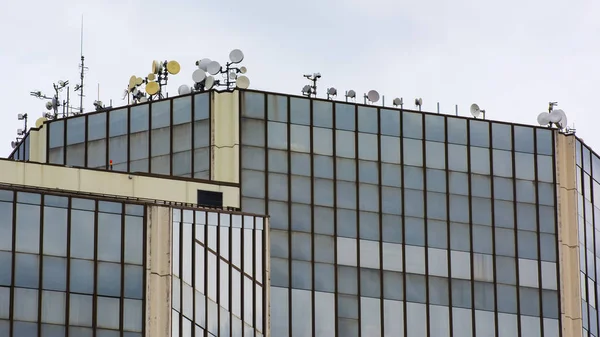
pixel 397 223
pixel 167 137
pixel 21 152
pixel 219 282
pixel 70 266
pixel 588 211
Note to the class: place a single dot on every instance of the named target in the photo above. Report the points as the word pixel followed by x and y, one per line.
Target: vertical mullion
pixel 471 254
pixel 13 262
pixel 425 221
pixel 448 228
pixel 150 138
pixel 85 149
pixel 47 146
pixel 128 147
pixel 41 266
pixel 493 219
pixel 68 260
pixel 64 161
pixel 181 282
pixel 380 190
pixel 107 141
pixel 145 263
pixel 193 139
pixel 264 241
pixel 357 207
pixel 193 238
pixel 556 228
pixel 95 299
pixel 122 292
pixel 289 168
pixel 312 216
pixel 515 229
pixel 210 135
pixel 538 233
pixel 405 306
pixel 206 279
pixel 218 267
pixel 335 266
pixel 171 137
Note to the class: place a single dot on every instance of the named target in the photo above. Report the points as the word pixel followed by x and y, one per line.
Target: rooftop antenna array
pixel 476 111
pixel 204 76
pixel 153 83
pixel 419 103
pixel 82 69
pixel 54 101
pixel 331 92
pixel 398 101
pixel 372 96
pixel 311 89
pixel 20 132
pixel 350 94
pixel 555 117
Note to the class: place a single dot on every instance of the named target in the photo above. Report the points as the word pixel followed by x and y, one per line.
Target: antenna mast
pixel 82 72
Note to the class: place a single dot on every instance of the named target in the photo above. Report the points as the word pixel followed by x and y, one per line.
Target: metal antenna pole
pixel 82 71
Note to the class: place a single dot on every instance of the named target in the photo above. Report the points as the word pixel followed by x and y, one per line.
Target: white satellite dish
pixel 307 89
pixel 554 116
pixel 418 101
pixel 203 64
pixel 397 101
pixel 232 75
pixel 243 82
pixel 562 123
pixel 49 105
pixel 373 96
pixel 213 68
pixel 351 94
pixel 543 118
pixel 143 99
pixel 209 82
pixel 236 56
pixel 475 110
pixel 243 69
pixel 13 144
pixel 184 89
pixel 332 91
pixel 198 75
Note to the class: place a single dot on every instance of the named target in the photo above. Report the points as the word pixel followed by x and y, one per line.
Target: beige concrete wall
pixel 225 131
pixel 37 145
pixel 112 183
pixel 568 242
pixel 158 272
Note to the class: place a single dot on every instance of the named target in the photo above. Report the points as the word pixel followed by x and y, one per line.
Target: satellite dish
pixel 418 101
pixel 243 69
pixel 475 110
pixel 13 144
pixel 232 75
pixel 39 122
pixel 152 88
pixel 49 105
pixel 135 91
pixel 242 82
pixel 184 89
pixel 143 99
pixel 236 56
pixel 351 94
pixel 543 118
pixel 554 116
pixel 132 81
pixel 213 68
pixel 54 103
pixel 139 81
pixel 373 96
pixel 332 91
pixel 307 89
pixel 151 77
pixel 562 123
pixel 173 67
pixel 156 66
pixel 209 82
pixel 198 75
pixel 397 101
pixel 203 64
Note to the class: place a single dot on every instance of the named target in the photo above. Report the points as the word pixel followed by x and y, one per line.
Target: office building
pixel 381 221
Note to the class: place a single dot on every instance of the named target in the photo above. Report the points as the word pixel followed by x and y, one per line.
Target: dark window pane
pixel 161 114
pixel 117 122
pixel 140 118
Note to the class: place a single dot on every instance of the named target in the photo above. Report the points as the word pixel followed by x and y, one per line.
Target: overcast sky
pixel 511 57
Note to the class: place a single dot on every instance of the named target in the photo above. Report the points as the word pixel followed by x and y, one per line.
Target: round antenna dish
pixel 198 75
pixel 184 89
pixel 475 110
pixel 563 118
pixel 173 67
pixel 554 116
pixel 351 93
pixel 418 101
pixel 135 91
pixel 132 80
pixel 209 82
pixel 243 82
pixel 213 68
pixel 203 64
pixel 13 144
pixel 49 105
pixel 39 122
pixel 397 101
pixel 151 77
pixel 332 91
pixel 236 56
pixel 156 66
pixel 152 88
pixel 373 96
pixel 243 69
pixel 543 118
pixel 143 99
pixel 139 81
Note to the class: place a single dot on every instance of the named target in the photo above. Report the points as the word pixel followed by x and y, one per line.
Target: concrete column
pixel 225 140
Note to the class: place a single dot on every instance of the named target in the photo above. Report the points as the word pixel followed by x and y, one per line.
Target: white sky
pixel 511 57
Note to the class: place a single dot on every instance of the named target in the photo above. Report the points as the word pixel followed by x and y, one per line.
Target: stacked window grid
pixel 478 231
pixel 166 137
pixel 70 266
pixel 219 279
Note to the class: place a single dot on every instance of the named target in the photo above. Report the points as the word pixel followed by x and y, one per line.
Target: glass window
pixel 57 134
pixel 54 273
pixel 55 231
pixel 253 132
pixel 276 107
pixel 435 155
pixel 457 158
pixel 109 237
pixel 345 144
pixel 75 130
pixel 412 124
pixel 322 114
pixel 413 152
pixel 27 270
pixel 28 228
pixel 253 105
pixel 544 141
pixel 299 110
pixel 367 146
pixel 457 130
pixel 390 122
pixel 323 166
pixel 524 166
pixel 502 161
pixel 277 137
pixel 117 123
pixel 182 110
pixel 202 106
pixel 523 139
pixel 435 128
pixel 479 133
pixel 461 293
pixel 480 160
pixel 344 116
pixel 323 141
pixel 501 136
pixel 367 119
pixel 390 149
pixel 96 126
